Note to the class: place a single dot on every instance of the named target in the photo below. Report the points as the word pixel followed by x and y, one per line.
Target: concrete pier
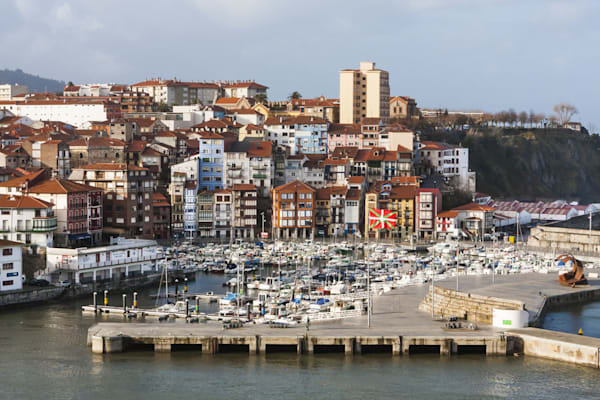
pixel 396 326
pixel 558 346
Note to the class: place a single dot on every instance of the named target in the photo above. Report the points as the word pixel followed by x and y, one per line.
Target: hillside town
pixel 103 167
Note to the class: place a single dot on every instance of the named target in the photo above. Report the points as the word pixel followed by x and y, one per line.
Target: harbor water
pixel 43 354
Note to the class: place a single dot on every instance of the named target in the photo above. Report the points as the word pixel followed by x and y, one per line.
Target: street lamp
pixel 262 214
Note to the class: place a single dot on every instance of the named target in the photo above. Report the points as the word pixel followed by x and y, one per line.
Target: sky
pixel 486 55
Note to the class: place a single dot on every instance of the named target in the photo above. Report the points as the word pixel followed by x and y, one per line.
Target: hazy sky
pixel 472 54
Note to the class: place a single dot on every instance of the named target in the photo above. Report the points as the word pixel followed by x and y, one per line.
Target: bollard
pixel 106 297
pixel 185 287
pixel 134 299
pixel 176 289
pixel 580 331
pixel 96 302
pixel 197 306
pixel 124 304
pixel 187 308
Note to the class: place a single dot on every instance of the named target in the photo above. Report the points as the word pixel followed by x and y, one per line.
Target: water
pixel 573 317
pixel 43 354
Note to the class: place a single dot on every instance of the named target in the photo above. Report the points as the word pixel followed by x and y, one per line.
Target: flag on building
pixel 382 219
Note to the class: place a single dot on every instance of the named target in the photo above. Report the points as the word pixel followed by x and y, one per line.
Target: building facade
pixel 364 93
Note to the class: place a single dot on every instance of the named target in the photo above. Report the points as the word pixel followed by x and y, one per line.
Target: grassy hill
pixel 536 164
pixel 33 82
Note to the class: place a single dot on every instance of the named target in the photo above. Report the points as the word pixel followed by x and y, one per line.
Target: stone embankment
pixel 467 306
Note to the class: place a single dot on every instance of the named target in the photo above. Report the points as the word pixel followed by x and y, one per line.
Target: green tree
pixel 295 95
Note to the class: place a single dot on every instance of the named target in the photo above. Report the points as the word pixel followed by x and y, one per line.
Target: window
pixel 7 252
pixel 7 266
pixel 7 283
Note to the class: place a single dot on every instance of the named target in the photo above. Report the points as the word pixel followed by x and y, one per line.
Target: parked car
pixel 37 282
pixel 64 283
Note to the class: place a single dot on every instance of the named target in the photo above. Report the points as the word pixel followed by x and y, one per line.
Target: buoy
pixel 580 331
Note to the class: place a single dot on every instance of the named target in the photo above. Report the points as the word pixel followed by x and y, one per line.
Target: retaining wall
pixel 471 307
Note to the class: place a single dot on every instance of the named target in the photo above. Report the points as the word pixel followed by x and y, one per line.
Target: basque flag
pixel 382 219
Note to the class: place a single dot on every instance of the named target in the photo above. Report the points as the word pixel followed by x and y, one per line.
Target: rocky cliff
pixel 536 164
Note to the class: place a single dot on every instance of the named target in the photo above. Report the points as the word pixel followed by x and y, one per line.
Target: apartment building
pixel 11 265
pixel 450 161
pixel 190 212
pixel 76 207
pixel 428 206
pixel 211 155
pixel 364 93
pixel 393 197
pixel 249 162
pixel 206 209
pixel 92 150
pixel 302 134
pixel 245 202
pixel 248 89
pixel 127 196
pixel 161 216
pixel 123 258
pixel 77 112
pixel 27 220
pixel 293 211
pixel 8 91
pixel 328 109
pixel 223 213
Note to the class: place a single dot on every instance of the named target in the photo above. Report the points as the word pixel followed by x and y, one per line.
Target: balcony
pixel 44 224
pixel 259 176
pixel 258 166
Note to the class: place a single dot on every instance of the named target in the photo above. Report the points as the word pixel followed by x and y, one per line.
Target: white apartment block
pixel 364 93
pixel 11 266
pixel 122 259
pixel 27 220
pixel 452 162
pixel 73 112
pixel 8 91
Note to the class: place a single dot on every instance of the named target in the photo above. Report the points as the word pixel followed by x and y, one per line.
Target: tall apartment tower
pixel 364 93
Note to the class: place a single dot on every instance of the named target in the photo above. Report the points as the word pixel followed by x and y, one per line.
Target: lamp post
pixel 262 231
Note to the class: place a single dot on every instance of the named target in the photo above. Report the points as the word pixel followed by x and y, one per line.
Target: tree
pixel 512 117
pixel 70 83
pixel 261 98
pixel 564 113
pixel 163 107
pixel 523 118
pixel 531 118
pixel 295 95
pixel 539 118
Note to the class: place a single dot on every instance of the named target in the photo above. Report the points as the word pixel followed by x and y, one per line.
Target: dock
pixel 396 326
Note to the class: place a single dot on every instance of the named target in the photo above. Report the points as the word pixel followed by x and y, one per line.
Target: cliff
pixel 536 164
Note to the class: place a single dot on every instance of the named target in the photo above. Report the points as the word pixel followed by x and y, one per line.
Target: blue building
pixel 212 151
pixel 311 134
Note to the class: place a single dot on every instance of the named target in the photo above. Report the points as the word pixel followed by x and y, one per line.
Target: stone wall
pixel 30 296
pixel 565 240
pixel 471 307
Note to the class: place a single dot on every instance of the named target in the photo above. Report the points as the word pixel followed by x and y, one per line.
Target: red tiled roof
pixel 473 207
pixel 448 214
pixel 243 187
pixel 228 100
pixel 261 148
pixel 11 201
pixel 294 186
pixel 61 186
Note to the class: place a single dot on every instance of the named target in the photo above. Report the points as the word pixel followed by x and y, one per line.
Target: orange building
pixel 293 211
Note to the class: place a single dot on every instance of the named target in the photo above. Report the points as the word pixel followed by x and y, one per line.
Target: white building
pixel 27 220
pixel 77 111
pixel 8 91
pixel 122 259
pixel 244 89
pixel 452 162
pixel 11 266
pixel 249 162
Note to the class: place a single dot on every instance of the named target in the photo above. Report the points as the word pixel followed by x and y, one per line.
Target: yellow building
pixel 364 93
pixel 394 197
